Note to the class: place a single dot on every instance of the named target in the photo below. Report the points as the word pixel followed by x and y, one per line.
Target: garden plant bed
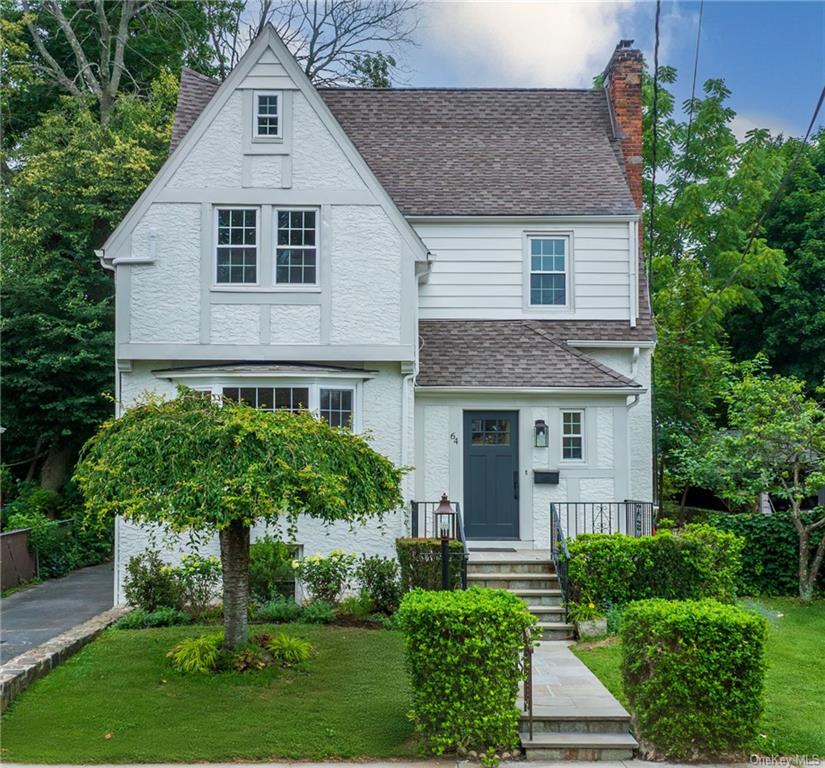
pixel 119 701
pixel 795 682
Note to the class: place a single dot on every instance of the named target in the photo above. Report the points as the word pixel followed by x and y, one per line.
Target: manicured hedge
pixel 770 559
pixel 613 569
pixel 463 651
pixel 693 674
pixel 420 563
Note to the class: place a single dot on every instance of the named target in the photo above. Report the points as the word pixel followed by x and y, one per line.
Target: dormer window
pixel 267 115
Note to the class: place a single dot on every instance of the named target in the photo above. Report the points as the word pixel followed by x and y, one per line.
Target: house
pixel 457 272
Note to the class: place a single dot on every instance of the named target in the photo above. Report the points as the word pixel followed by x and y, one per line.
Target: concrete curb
pixel 19 673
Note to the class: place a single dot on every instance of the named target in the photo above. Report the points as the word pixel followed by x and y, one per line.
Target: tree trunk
pixel 54 469
pixel 806 586
pixel 235 564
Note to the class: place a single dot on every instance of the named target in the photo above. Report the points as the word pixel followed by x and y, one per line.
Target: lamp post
pixel 444 515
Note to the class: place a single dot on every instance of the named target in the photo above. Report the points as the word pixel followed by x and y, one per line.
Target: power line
pixel 695 71
pixel 768 208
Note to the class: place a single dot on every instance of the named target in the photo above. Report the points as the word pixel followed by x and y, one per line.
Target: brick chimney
pixel 623 81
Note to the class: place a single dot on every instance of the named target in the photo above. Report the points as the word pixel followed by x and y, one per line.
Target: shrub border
pixel 19 673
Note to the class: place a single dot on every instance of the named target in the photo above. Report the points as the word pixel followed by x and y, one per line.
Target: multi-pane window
pixel 548 273
pixel 296 251
pixel 572 435
pixel 237 246
pixel 490 432
pixel 336 407
pixel 270 398
pixel 267 114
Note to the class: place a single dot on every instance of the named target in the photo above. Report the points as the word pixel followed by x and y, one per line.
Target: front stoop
pixel 530 577
pixel 578 735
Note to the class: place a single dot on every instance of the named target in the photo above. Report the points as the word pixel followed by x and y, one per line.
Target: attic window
pixel 267 115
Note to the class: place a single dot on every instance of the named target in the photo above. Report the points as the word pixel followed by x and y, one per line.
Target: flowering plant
pixel 199 577
pixel 325 577
pixel 584 611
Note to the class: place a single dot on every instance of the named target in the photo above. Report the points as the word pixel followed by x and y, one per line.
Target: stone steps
pixel 513 581
pixel 574 720
pixel 539 597
pixel 579 746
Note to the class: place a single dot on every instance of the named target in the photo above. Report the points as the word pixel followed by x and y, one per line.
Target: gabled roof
pixel 477 152
pixel 509 353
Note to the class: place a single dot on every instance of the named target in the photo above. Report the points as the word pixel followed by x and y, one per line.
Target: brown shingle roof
pixel 194 94
pixel 522 152
pixel 509 353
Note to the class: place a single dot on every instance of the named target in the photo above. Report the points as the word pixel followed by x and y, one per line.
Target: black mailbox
pixel 546 476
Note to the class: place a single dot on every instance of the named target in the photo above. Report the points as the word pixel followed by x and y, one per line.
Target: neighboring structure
pixel 456 272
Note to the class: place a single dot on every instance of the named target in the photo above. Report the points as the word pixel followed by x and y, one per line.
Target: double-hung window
pixel 267 114
pixel 296 250
pixel 548 271
pixel 236 255
pixel 336 407
pixel 572 435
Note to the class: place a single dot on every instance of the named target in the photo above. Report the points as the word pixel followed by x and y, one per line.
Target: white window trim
pixel 583 435
pixel 258 251
pixel 314 385
pixel 548 234
pixel 264 137
pixel 298 287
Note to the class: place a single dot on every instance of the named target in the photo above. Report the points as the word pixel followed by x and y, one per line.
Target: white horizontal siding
pixel 477 271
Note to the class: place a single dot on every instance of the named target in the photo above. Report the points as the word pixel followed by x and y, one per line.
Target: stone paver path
pixel 563 685
pixel 34 615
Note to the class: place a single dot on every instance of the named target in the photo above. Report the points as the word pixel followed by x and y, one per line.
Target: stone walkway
pixel 564 686
pixel 37 614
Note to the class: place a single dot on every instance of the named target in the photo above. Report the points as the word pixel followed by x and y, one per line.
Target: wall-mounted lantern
pixel 540 434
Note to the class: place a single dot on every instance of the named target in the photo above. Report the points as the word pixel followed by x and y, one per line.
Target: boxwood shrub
pixel 693 674
pixel 463 652
pixel 770 559
pixel 419 561
pixel 613 569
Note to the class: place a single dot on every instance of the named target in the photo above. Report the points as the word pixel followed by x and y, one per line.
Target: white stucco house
pixel 455 271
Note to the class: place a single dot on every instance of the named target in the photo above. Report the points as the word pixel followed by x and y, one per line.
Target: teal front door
pixel 491 476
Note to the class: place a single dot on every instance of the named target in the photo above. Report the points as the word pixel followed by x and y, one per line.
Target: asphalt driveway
pixel 32 616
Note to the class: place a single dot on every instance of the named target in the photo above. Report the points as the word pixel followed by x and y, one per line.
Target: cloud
pixel 747 121
pixel 549 44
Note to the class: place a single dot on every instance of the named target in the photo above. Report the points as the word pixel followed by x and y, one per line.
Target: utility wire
pixel 695 71
pixel 768 208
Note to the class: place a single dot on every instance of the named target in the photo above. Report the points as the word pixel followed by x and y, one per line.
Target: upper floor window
pixel 296 252
pixel 267 114
pixel 572 435
pixel 548 271
pixel 237 246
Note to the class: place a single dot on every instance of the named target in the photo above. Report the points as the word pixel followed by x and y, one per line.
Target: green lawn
pixel 351 702
pixel 794 721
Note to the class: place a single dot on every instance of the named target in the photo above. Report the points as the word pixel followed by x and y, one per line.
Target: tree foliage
pixel 710 189
pixel 193 465
pixel 73 180
pixel 775 444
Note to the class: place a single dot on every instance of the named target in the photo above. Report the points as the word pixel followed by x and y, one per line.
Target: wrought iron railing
pixel 634 518
pixel 558 549
pixel 427 522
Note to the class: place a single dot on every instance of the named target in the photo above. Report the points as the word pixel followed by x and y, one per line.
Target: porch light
pixel 540 431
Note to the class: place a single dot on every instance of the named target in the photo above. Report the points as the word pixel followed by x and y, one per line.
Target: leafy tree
pixel 194 465
pixel 710 189
pixel 74 179
pixel 775 444
pixel 789 327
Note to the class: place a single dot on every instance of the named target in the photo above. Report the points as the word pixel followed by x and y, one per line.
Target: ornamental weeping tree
pixel 192 465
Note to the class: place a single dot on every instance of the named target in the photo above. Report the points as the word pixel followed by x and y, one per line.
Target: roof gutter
pixel 101 257
pixel 425 390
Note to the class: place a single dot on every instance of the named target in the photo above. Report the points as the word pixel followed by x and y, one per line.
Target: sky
pixel 771 54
